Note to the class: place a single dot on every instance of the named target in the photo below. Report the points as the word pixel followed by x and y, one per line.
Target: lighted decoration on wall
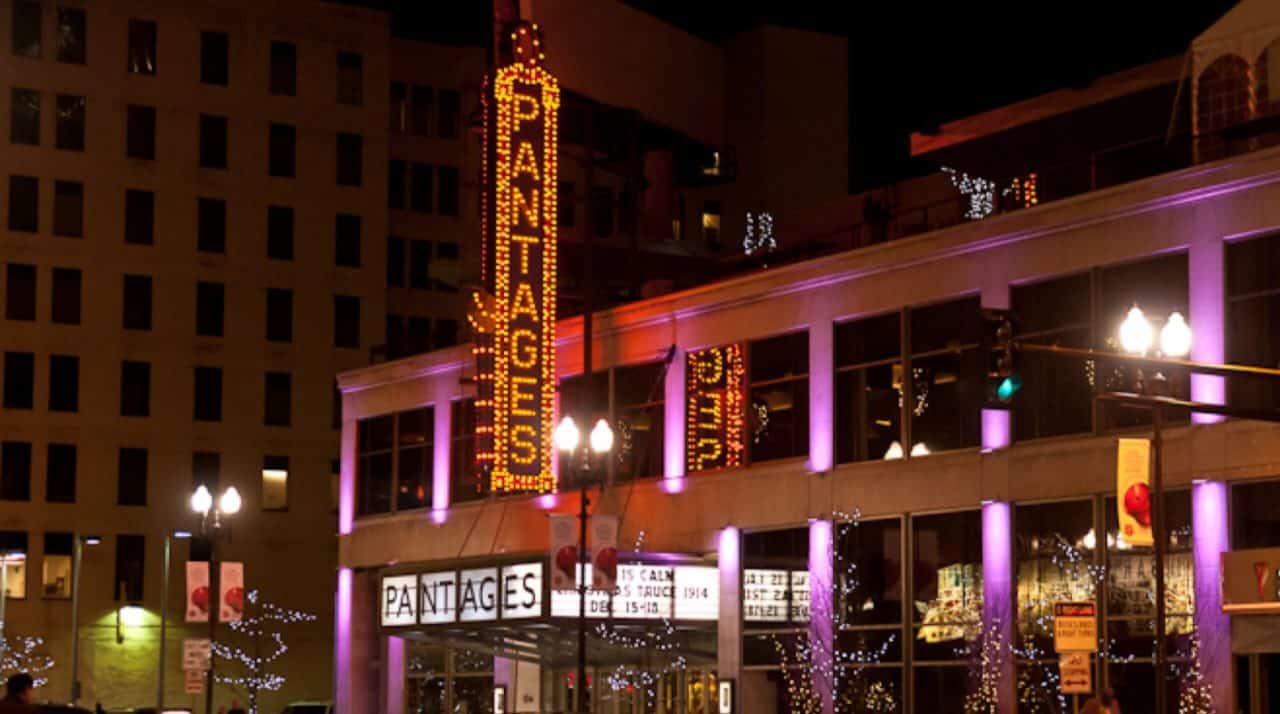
pixel 714 413
pixel 758 236
pixel 515 345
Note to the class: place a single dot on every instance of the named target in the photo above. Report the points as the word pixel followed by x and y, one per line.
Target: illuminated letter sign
pixel 517 356
pixel 714 388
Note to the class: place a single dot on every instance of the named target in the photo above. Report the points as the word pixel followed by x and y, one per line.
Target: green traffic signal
pixel 1008 387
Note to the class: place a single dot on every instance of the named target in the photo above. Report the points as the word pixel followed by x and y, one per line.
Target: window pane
pixel 139 217
pixel 24 116
pixel 1055 548
pixel 208 394
pixel 346 321
pixel 1255 515
pixel 73 35
pixel 66 296
pixel 1056 397
pixel 947 561
pixel 423 108
pixel 870 339
pixel 56 568
pixel 395 262
pixel 420 188
pixel 140 140
pixel 350 78
pixel 399 106
pixel 940 690
pixel 279 315
pixel 19 380
pixel 1131 571
pixel 215 50
pixel 448 198
pixel 205 468
pixel 16 569
pixel 20 292
pixel 64 383
pixel 213 142
pixel 420 264
pixel 284 68
pixel 209 309
pixel 467 483
pixel 69 134
pixel 870 568
pixel 130 556
pixel 946 325
pixel 395 184
pixel 211 233
pixel 778 420
pixel 15 471
pixel 347 240
pixel 780 357
pixel 135 388
pixel 280 232
pixel 60 473
pixel 1158 285
pixel 1061 303
pixel 68 209
pixel 948 392
pixel 142 47
pixel 450 110
pixel 131 479
pixel 26 28
pixel 868 415
pixel 415 479
pixel 275 483
pixel 282 150
pixel 350 159
pixel 24 203
pixel 278 398
pixel 137 302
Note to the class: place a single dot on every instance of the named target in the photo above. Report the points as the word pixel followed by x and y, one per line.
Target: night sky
pixel 912 64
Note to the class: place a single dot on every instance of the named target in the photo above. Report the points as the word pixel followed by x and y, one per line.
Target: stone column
pixel 357 687
pixel 1207 305
pixel 393 674
pixel 822 614
pixel 1209 539
pixel 729 627
pixel 674 424
pixel 998 606
pixel 822 386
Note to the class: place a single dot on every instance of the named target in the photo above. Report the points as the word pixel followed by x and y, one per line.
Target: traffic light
pixel 1001 371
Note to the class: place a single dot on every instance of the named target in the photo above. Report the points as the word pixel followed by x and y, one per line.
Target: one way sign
pixel 1076 674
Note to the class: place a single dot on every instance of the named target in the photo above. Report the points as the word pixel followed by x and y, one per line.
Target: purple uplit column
pixel 342 684
pixel 673 424
pixel 1209 539
pixel 729 627
pixel 504 675
pixel 347 478
pixel 440 481
pixel 996 430
pixel 393 673
pixel 822 614
pixel 1207 300
pixel 997 590
pixel 821 400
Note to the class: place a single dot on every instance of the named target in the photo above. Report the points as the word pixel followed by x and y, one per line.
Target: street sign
pixel 196 654
pixel 1075 672
pixel 1075 627
pixel 194 681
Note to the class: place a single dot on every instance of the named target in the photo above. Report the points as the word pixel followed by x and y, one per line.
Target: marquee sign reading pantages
pixel 689 593
pixel 515 341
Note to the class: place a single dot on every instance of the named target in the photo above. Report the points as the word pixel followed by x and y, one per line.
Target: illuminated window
pixel 947 593
pixel 275 483
pixel 395 462
pixel 868 417
pixel 868 569
pixel 13 548
pixel 55 570
pixel 466 482
pixel 711 225
pixel 1056 561
pixel 777 418
pixel 638 411
pixel 775 604
pixel 947 376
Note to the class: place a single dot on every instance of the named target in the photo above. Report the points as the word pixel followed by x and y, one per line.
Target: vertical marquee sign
pixel 714 388
pixel 516 340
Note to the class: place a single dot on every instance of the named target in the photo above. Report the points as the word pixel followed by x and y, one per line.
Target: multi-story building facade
pixel 194 230
pixel 865 508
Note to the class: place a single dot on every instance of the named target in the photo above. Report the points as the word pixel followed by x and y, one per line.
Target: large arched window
pixel 1225 95
pixel 1266 78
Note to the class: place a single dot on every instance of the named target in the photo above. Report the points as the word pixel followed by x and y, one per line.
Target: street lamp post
pixel 568 440
pixel 1136 335
pixel 228 504
pixel 164 611
pixel 77 554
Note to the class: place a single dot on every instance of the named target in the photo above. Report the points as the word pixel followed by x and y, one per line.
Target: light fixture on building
pixel 1135 332
pixel 920 449
pixel 601 437
pixel 566 435
pixel 893 452
pixel 1175 336
pixel 131 615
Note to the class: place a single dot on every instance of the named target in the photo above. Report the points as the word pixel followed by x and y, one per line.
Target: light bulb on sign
pixel 601 437
pixel 1135 332
pixel 1175 336
pixel 230 502
pixel 201 500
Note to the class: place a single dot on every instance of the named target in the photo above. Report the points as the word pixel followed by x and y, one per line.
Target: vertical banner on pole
pixel 198 596
pixel 564 552
pixel 604 553
pixel 231 597
pixel 1133 490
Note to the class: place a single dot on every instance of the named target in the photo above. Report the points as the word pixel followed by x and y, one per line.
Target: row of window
pixel 424 111
pixel 409 264
pixel 915 380
pixel 131 475
pixel 411 335
pixel 21 288
pixel 56 566
pixel 72 42
pixel 135 389
pixel 211 220
pixel 417 180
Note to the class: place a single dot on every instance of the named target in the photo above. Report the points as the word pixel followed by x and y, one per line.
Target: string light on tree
pixel 758 236
pixel 25 654
pixel 980 192
pixel 259 632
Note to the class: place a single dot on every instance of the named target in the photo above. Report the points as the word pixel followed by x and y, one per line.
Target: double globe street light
pixel 568 440
pixel 229 503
